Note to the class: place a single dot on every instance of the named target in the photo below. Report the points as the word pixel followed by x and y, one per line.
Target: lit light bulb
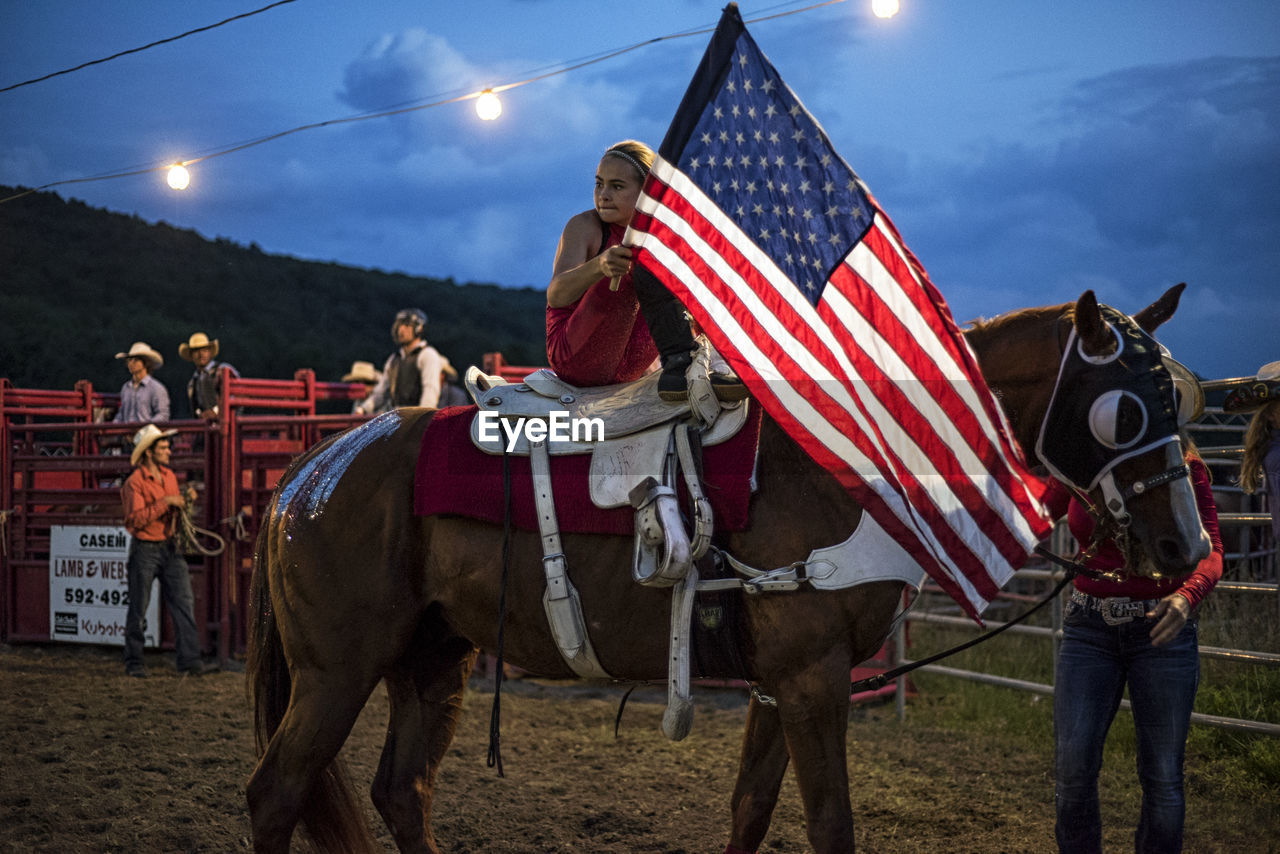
pixel 884 8
pixel 488 107
pixel 179 177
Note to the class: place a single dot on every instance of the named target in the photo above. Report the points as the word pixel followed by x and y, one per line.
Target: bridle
pixel 1159 421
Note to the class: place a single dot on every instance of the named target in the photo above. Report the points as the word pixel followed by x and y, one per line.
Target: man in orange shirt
pixel 151 506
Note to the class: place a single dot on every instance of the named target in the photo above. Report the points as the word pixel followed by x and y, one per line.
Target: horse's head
pixel 1111 431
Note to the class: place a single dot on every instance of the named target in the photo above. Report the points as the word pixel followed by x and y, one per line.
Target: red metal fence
pixel 59 465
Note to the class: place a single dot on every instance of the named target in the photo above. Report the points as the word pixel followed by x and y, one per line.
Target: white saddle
pixel 637 425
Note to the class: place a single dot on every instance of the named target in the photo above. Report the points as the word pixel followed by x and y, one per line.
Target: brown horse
pixel 351 588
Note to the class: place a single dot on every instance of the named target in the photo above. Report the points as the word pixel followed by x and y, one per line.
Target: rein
pixel 1073 567
pixel 494 759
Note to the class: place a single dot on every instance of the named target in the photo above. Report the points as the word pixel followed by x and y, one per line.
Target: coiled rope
pixel 189 534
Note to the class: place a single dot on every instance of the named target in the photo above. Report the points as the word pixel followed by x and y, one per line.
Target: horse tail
pixel 331 813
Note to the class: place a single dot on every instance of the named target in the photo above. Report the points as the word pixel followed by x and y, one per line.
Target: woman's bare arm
pixel 577 266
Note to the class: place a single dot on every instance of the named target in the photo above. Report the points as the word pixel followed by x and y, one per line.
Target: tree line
pixel 83 283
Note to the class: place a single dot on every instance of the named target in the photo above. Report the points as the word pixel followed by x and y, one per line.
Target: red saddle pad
pixel 454 477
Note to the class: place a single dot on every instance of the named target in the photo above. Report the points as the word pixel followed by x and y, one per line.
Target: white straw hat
pixel 361 372
pixel 142 350
pixel 145 438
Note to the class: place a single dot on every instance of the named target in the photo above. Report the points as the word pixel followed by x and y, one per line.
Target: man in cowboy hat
pixel 152 503
pixel 368 375
pixel 205 386
pixel 411 376
pixel 143 397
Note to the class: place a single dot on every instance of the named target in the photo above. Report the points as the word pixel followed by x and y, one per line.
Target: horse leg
pixel 425 690
pixel 760 771
pixel 813 706
pixel 323 706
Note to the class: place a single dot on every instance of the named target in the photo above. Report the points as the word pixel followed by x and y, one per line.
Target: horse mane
pixel 1018 354
pixel 1007 323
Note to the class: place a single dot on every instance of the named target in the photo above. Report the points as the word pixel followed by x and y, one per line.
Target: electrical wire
pixel 144 47
pixel 561 68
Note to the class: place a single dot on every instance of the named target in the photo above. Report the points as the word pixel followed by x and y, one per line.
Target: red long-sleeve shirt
pixel 146 515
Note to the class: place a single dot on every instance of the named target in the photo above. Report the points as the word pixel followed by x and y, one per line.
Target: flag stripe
pixel 942 456
pixel 964 361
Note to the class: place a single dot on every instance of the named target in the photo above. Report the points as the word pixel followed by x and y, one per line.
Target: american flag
pixel 782 256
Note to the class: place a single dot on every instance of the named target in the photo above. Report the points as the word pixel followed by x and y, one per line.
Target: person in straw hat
pixel 204 389
pixel 152 503
pixel 1260 466
pixel 143 397
pixel 366 374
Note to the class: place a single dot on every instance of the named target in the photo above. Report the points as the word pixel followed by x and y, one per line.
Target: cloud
pixel 440 192
pixel 1143 178
pixel 1176 150
pixel 408 66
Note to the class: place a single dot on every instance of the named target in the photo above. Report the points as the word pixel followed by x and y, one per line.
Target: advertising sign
pixel 89 586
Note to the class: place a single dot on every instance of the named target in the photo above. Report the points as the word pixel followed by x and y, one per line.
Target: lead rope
pixel 495 715
pixel 1073 568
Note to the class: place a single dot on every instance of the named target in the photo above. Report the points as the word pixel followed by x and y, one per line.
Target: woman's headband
pixel 618 152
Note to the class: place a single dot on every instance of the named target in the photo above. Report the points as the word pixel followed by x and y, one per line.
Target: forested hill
pixel 80 284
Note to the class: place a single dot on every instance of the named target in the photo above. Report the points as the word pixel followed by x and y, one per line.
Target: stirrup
pixel 728 388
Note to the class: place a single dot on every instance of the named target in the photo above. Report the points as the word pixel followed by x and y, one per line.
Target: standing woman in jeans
pixel 1140 632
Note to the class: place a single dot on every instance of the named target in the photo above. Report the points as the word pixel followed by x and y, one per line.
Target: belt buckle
pixel 1118 610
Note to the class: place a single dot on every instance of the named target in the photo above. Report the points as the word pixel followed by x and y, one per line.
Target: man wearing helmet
pixel 411 376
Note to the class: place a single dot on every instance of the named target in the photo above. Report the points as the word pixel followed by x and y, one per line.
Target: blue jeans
pixel 147 561
pixel 1094 664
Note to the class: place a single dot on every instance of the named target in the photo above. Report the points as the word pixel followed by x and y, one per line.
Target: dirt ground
pixel 95 761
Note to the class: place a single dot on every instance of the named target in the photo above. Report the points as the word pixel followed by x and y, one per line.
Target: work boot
pixel 673 386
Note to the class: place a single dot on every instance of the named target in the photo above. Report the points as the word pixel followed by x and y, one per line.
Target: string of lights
pixel 144 47
pixel 488 106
